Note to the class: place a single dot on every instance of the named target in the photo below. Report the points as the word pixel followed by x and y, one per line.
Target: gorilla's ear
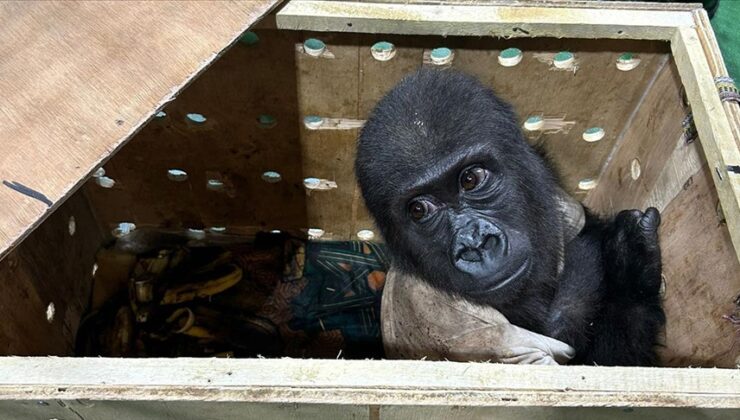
pixel 573 215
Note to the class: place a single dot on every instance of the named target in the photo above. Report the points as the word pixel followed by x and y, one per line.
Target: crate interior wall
pixel 255 98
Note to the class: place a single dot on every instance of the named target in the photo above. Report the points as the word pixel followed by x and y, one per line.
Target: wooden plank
pixel 702 278
pixel 712 123
pixel 80 78
pixel 380 382
pixel 328 88
pixel 546 413
pixel 568 19
pixel 184 410
pixel 156 410
pixel 51 266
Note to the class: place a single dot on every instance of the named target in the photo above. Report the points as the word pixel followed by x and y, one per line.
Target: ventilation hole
pixel 99 172
pixel 662 286
pixel 314 47
pixel 105 182
pixel 196 118
pixel 635 169
pixel 249 38
pixel 349 24
pixel 159 115
pixel 563 59
pixel 719 174
pixel 42 403
pixel 123 229
pixel 266 121
pixel 51 311
pixel 72 226
pixel 217 229
pixel 313 122
pixel 196 233
pixel 627 62
pixel 315 233
pixel 593 134
pixel 177 175
pixel 620 32
pixel 365 235
pixel 215 184
pixel 534 123
pixel 441 56
pixel 271 177
pixel 510 57
pixel 587 184
pixel 311 183
pixel 383 51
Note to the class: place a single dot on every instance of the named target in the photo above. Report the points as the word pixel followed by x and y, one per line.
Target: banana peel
pixel 203 288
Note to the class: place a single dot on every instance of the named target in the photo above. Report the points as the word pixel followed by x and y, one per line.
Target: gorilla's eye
pixel 472 177
pixel 418 209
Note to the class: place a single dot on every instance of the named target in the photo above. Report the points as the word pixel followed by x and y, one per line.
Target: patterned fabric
pixel 344 283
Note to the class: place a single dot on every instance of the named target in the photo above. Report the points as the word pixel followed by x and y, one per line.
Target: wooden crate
pixel 84 84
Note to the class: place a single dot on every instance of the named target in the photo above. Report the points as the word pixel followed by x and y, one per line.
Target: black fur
pixel 495 244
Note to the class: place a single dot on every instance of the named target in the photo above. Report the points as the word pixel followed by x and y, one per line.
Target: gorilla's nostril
pixel 489 241
pixel 470 254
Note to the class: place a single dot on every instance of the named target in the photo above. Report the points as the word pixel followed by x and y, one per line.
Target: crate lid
pixel 81 78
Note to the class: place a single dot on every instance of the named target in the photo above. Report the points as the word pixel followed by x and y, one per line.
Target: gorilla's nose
pixel 477 241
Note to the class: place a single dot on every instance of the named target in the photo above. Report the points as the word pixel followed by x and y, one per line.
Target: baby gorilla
pixel 464 202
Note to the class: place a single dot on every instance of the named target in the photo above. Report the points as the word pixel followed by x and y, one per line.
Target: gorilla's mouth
pixel 500 282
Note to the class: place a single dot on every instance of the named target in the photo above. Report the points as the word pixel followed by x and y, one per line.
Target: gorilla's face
pixel 465 215
pixel 460 198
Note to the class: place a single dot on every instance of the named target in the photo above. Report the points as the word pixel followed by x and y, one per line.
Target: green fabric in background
pixel 726 24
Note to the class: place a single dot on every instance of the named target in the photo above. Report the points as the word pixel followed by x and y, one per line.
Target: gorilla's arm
pixel 607 305
pixel 580 291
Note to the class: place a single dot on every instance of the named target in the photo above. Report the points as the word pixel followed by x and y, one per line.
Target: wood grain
pixel 80 78
pixel 521 19
pixel 387 382
pixel 650 136
pixel 702 279
pixel 50 266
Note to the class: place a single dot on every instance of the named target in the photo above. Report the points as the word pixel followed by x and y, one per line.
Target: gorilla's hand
pixel 632 253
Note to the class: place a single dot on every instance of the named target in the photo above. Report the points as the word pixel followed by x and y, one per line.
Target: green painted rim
pixel 511 53
pixel 382 46
pixel 266 119
pixel 249 38
pixel 593 130
pixel 314 44
pixel 196 118
pixel 626 57
pixel 534 120
pixel 563 56
pixel 441 53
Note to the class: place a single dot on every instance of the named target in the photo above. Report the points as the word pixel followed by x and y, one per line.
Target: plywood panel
pixel 50 267
pixel 261 79
pixel 702 278
pixel 597 94
pixel 231 145
pixel 79 78
pixel 650 136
